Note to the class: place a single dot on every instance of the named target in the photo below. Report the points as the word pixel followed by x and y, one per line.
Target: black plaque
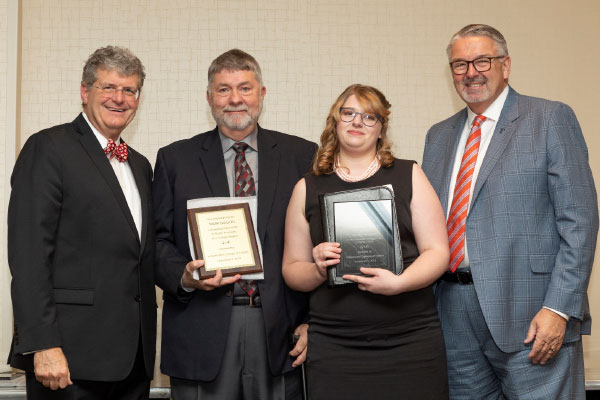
pixel 364 222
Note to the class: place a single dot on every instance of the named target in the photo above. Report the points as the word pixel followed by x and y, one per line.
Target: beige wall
pixel 8 66
pixel 4 306
pixel 310 51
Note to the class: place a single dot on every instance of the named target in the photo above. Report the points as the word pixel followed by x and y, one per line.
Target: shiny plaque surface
pixel 364 230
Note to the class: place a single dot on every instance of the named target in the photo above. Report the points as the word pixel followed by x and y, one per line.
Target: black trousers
pixel 135 387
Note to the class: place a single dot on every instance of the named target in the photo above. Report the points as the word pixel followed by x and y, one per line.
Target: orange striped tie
pixel 460 201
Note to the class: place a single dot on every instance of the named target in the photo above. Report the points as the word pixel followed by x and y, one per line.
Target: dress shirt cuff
pixel 189 290
pixel 565 316
pixel 32 352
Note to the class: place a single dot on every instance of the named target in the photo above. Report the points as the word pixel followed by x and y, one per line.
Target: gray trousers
pixel 478 369
pixel 245 372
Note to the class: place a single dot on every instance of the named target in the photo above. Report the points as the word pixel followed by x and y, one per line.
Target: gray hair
pixel 234 60
pixel 112 58
pixel 480 30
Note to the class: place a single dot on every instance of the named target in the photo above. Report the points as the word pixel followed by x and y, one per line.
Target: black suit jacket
pixel 195 325
pixel 81 277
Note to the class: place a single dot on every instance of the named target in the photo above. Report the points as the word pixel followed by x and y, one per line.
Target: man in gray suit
pixel 512 174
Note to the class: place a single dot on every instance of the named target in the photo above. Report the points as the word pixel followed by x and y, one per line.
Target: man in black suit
pixel 219 342
pixel 81 246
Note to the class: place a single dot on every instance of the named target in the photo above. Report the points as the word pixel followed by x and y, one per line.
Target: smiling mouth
pixel 120 110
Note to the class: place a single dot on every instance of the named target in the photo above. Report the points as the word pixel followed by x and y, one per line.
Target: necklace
pixel 370 171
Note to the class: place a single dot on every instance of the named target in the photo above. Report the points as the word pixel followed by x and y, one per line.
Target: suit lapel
pixel 93 149
pixel 211 158
pixel 456 126
pixel 504 131
pixel 268 169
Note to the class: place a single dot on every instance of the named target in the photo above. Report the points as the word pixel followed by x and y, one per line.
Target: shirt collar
pixel 493 111
pixel 250 140
pixel 103 140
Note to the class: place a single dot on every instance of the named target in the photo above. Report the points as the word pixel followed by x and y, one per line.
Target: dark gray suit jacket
pixel 195 325
pixel 532 225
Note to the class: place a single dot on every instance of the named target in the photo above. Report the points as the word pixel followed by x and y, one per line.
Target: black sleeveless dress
pixel 367 346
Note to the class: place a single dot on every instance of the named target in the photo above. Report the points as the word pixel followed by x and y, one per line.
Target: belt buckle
pixel 463 277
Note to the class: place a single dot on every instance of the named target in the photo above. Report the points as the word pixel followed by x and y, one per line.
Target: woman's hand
pixel 379 281
pixel 325 255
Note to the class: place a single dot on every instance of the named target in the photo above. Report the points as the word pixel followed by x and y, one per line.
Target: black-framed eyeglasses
pixel 481 64
pixel 110 90
pixel 368 119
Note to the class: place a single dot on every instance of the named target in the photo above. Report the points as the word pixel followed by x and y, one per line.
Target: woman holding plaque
pixel 380 337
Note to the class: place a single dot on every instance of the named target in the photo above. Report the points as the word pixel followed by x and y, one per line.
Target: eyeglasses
pixel 368 119
pixel 110 90
pixel 481 64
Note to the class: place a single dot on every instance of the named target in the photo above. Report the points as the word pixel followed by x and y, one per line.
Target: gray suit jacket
pixel 531 230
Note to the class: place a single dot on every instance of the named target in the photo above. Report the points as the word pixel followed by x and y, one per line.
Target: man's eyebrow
pixel 486 55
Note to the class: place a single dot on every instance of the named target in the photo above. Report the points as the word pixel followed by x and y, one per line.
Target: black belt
pixel 461 276
pixel 247 301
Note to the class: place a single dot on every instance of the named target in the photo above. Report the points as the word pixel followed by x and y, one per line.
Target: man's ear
pixel 506 67
pixel 83 89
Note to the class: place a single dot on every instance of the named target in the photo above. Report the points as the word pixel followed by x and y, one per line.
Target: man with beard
pixel 224 337
pixel 512 173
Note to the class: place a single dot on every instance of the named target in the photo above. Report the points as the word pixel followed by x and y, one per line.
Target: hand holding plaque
pixel 191 278
pixel 223 236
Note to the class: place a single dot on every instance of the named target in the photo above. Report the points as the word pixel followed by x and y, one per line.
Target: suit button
pixel 229 293
pixel 138 298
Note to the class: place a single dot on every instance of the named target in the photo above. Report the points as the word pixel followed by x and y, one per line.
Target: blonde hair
pixel 373 101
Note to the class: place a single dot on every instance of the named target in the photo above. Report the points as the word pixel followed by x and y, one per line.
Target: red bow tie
pixel 119 152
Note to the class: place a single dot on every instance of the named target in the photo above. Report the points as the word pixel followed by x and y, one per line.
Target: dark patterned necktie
pixel 244 181
pixel 244 186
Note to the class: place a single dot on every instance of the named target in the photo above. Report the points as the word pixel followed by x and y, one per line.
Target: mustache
pixel 478 79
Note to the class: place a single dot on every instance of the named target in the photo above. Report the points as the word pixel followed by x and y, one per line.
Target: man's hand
pixel 301 345
pixel 216 281
pixel 51 368
pixel 548 329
